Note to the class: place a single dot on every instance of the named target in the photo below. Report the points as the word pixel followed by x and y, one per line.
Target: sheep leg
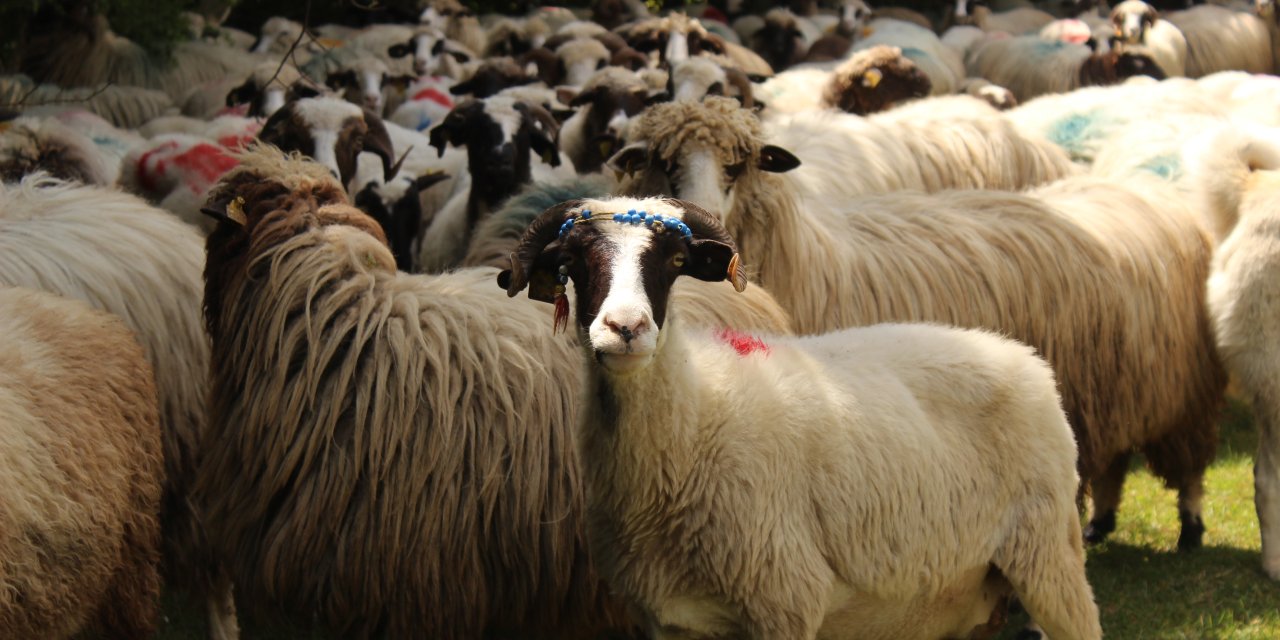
pixel 1266 482
pixel 1046 570
pixel 223 624
pixel 1190 497
pixel 1106 491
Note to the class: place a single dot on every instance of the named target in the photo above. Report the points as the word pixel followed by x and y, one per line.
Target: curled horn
pixel 707 226
pixel 541 232
pixel 541 115
pixel 737 78
pixel 379 142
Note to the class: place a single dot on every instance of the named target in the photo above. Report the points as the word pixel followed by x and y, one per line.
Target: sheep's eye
pixel 735 170
pixel 600 65
pixel 677 260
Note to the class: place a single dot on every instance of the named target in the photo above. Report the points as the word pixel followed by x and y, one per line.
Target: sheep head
pixel 1114 66
pixel 1132 19
pixel 269 87
pixel 623 255
pixel 499 134
pixel 267 200
pixel 874 80
pixel 331 131
pixel 397 210
pixel 779 41
pixel 698 151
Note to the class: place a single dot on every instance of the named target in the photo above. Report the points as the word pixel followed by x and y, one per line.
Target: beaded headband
pixel 656 221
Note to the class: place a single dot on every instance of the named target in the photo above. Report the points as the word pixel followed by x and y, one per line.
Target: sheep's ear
pixel 400 50
pixel 542 275
pixel 427 180
pixel 449 132
pixel 712 261
pixel 226 210
pixel 304 90
pixel 241 94
pixel 661 96
pixel 777 160
pixel 463 88
pixel 337 81
pixel 567 95
pixel 630 159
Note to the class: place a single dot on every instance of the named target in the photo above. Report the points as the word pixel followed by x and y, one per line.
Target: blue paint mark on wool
pixel 1072 132
pixel 1048 47
pixel 913 54
pixel 1167 166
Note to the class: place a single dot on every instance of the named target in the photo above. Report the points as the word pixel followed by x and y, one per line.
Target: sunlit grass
pixel 1144 587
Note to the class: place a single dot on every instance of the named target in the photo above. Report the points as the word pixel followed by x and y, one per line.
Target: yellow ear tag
pixel 867 31
pixel 736 276
pixel 605 147
pixel 235 211
pixel 872 78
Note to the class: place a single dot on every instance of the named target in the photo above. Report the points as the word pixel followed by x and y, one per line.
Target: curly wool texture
pixel 114 251
pixel 717 123
pixel 32 145
pixel 81 473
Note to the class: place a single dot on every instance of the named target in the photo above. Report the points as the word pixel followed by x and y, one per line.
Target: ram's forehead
pixel 502 110
pixel 326 113
pixel 622 205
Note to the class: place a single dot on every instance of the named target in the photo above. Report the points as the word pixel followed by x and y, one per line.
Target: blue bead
pixel 658 217
pixel 631 212
pixel 642 215
pixel 619 217
pixel 586 214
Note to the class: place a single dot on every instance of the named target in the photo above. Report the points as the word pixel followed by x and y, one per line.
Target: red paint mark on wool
pixel 744 344
pixel 434 95
pixel 203 164
pixel 148 175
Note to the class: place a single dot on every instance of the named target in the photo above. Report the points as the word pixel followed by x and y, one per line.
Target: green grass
pixel 1145 589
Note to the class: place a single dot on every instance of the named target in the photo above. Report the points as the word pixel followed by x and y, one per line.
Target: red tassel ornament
pixel 561 321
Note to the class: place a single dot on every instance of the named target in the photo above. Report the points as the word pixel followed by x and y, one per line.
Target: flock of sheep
pixel 264 343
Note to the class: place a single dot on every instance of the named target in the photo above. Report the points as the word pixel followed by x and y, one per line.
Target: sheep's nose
pixel 628 329
pixel 420 67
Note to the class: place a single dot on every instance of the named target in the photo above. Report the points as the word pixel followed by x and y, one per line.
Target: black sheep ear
pixel 304 90
pixel 242 94
pixel 337 81
pixel 776 159
pixel 630 159
pixel 466 87
pixel 714 261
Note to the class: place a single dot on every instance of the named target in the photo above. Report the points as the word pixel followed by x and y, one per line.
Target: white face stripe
pixel 701 181
pixel 961 11
pixel 579 72
pixel 502 110
pixel 272 101
pixel 423 43
pixel 618 122
pixel 677 47
pixel 1132 25
pixel 326 141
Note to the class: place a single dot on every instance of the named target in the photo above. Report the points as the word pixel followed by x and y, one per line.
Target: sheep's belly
pixel 956 612
pixel 694 617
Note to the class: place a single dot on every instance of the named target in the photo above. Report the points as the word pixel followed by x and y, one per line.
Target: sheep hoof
pixel 1100 527
pixel 1192 536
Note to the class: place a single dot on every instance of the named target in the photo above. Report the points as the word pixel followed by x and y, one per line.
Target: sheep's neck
pixel 638 431
pixel 490 188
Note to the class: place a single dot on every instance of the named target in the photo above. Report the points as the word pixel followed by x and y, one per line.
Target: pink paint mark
pixel 743 343
pixel 204 164
pixel 434 95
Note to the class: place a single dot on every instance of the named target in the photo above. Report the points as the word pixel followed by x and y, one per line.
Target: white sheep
pixel 890 481
pixel 1237 177
pixel 1113 267
pixel 113 251
pixel 330 368
pixel 80 467
pixel 175 171
pixel 1220 39
pixel 30 144
pixel 1138 23
pixel 1030 66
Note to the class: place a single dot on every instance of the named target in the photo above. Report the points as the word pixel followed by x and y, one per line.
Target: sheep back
pixel 123 256
pixel 80 467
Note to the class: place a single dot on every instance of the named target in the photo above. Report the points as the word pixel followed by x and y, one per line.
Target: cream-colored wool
pixel 1077 264
pixel 33 144
pixel 1221 39
pixel 121 255
pixel 863 483
pixel 1237 176
pixel 81 471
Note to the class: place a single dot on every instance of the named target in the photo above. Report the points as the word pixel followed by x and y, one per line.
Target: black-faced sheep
pixel 1137 23
pixel 729 489
pixel 605 106
pixel 331 131
pixel 1077 263
pixel 112 250
pixel 269 87
pixel 874 80
pixel 81 469
pixel 413 429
